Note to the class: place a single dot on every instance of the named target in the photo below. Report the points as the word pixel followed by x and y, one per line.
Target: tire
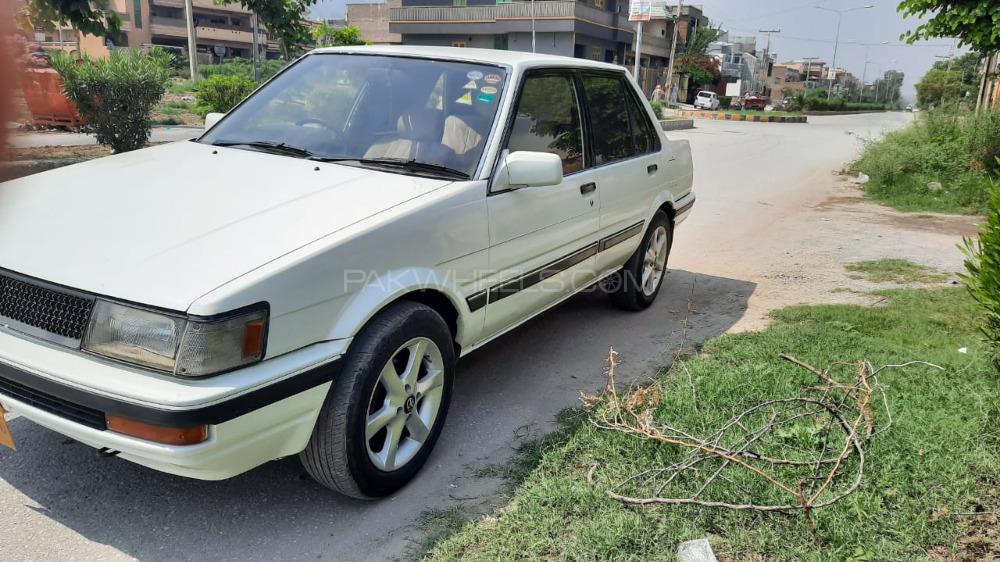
pixel 627 288
pixel 338 455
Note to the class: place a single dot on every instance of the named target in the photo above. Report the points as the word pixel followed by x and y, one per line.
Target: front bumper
pixel 247 426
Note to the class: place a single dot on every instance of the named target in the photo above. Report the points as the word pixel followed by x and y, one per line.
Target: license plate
pixel 6 439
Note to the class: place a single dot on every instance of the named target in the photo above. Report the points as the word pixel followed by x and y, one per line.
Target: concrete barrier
pixel 676 124
pixel 727 116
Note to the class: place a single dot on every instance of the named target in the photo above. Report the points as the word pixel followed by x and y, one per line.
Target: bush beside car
pixel 983 266
pixel 116 94
pixel 221 92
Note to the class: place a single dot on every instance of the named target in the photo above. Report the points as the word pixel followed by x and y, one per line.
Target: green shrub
pixel 242 68
pixel 657 108
pixel 116 95
pixel 943 162
pixel 221 93
pixel 725 102
pixel 983 265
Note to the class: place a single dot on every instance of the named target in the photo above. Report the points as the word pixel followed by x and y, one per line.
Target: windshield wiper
pixel 269 146
pixel 408 164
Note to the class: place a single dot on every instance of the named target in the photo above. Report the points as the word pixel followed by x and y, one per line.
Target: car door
pixel 542 239
pixel 626 154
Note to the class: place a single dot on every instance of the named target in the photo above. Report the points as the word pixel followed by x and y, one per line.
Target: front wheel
pixel 636 284
pixel 386 409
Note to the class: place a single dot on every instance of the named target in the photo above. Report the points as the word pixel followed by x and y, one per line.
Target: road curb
pixel 676 124
pixel 726 116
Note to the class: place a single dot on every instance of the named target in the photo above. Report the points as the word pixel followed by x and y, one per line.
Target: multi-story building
pixel 592 29
pixel 224 28
pixel 372 21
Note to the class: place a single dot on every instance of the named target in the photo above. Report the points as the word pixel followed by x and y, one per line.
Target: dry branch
pixel 757 440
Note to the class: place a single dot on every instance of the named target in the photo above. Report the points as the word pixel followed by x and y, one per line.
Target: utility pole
pixel 532 26
pixel 256 46
pixel 673 52
pixel 192 40
pixel 767 59
pixel 638 53
pixel 809 68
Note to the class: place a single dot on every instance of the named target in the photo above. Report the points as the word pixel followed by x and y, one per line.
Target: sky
pixel 809 32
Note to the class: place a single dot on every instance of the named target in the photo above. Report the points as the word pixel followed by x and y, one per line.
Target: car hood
pixel 166 225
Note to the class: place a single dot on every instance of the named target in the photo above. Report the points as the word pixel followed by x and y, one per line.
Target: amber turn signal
pixel 157 433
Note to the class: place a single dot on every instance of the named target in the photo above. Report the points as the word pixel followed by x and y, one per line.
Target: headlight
pixel 180 345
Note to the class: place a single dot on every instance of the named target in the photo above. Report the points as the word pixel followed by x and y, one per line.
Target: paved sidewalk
pixel 35 139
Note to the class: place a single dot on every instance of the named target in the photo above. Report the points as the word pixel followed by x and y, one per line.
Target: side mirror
pixel 529 169
pixel 212 118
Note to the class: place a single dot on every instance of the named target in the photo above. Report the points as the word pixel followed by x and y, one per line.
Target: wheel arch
pixel 411 285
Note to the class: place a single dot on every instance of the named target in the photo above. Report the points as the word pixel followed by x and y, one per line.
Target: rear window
pixel 704 95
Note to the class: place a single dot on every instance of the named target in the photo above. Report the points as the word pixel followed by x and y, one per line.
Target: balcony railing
pixel 204 5
pixel 176 27
pixel 551 9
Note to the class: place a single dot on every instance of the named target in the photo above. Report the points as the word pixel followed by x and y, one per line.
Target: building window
pixel 505 1
pixel 459 43
pixel 459 2
pixel 137 13
pixel 596 53
pixel 599 4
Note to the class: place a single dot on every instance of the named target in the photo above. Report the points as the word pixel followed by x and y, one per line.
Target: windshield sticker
pixel 492 78
pixel 485 98
pixel 474 75
pixel 488 90
pixel 465 99
pixel 471 85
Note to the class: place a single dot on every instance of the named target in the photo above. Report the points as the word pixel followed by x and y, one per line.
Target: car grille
pixel 73 412
pixel 45 309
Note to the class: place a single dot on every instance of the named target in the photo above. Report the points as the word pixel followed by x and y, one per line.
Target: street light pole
pixel 836 42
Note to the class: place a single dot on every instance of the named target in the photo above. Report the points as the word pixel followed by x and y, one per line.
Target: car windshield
pixel 412 115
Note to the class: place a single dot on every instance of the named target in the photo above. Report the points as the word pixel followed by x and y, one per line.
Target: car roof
pixel 514 59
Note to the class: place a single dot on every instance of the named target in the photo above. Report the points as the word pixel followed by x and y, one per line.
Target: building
pixel 785 81
pixel 591 29
pixel 372 21
pixel 225 29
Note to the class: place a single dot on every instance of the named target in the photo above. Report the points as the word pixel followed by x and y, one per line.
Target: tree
pixel 328 36
pixel 940 87
pixel 973 22
pixel 88 16
pixel 967 65
pixel 284 19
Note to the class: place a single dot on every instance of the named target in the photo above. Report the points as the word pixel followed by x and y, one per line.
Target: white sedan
pixel 302 279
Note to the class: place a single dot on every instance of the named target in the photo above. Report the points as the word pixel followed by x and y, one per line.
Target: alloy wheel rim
pixel 654 261
pixel 404 404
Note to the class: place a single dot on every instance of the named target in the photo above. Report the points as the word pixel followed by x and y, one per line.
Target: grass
pixel 895 271
pixel 941 457
pixel 944 162
pixel 182 86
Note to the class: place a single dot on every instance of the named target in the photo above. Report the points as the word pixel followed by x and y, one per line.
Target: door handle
pixel 651 169
pixel 588 188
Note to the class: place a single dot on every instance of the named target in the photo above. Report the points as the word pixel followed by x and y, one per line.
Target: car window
pixel 548 120
pixel 608 117
pixel 373 107
pixel 644 136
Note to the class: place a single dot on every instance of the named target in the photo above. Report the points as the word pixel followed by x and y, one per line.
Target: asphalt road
pixel 60 500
